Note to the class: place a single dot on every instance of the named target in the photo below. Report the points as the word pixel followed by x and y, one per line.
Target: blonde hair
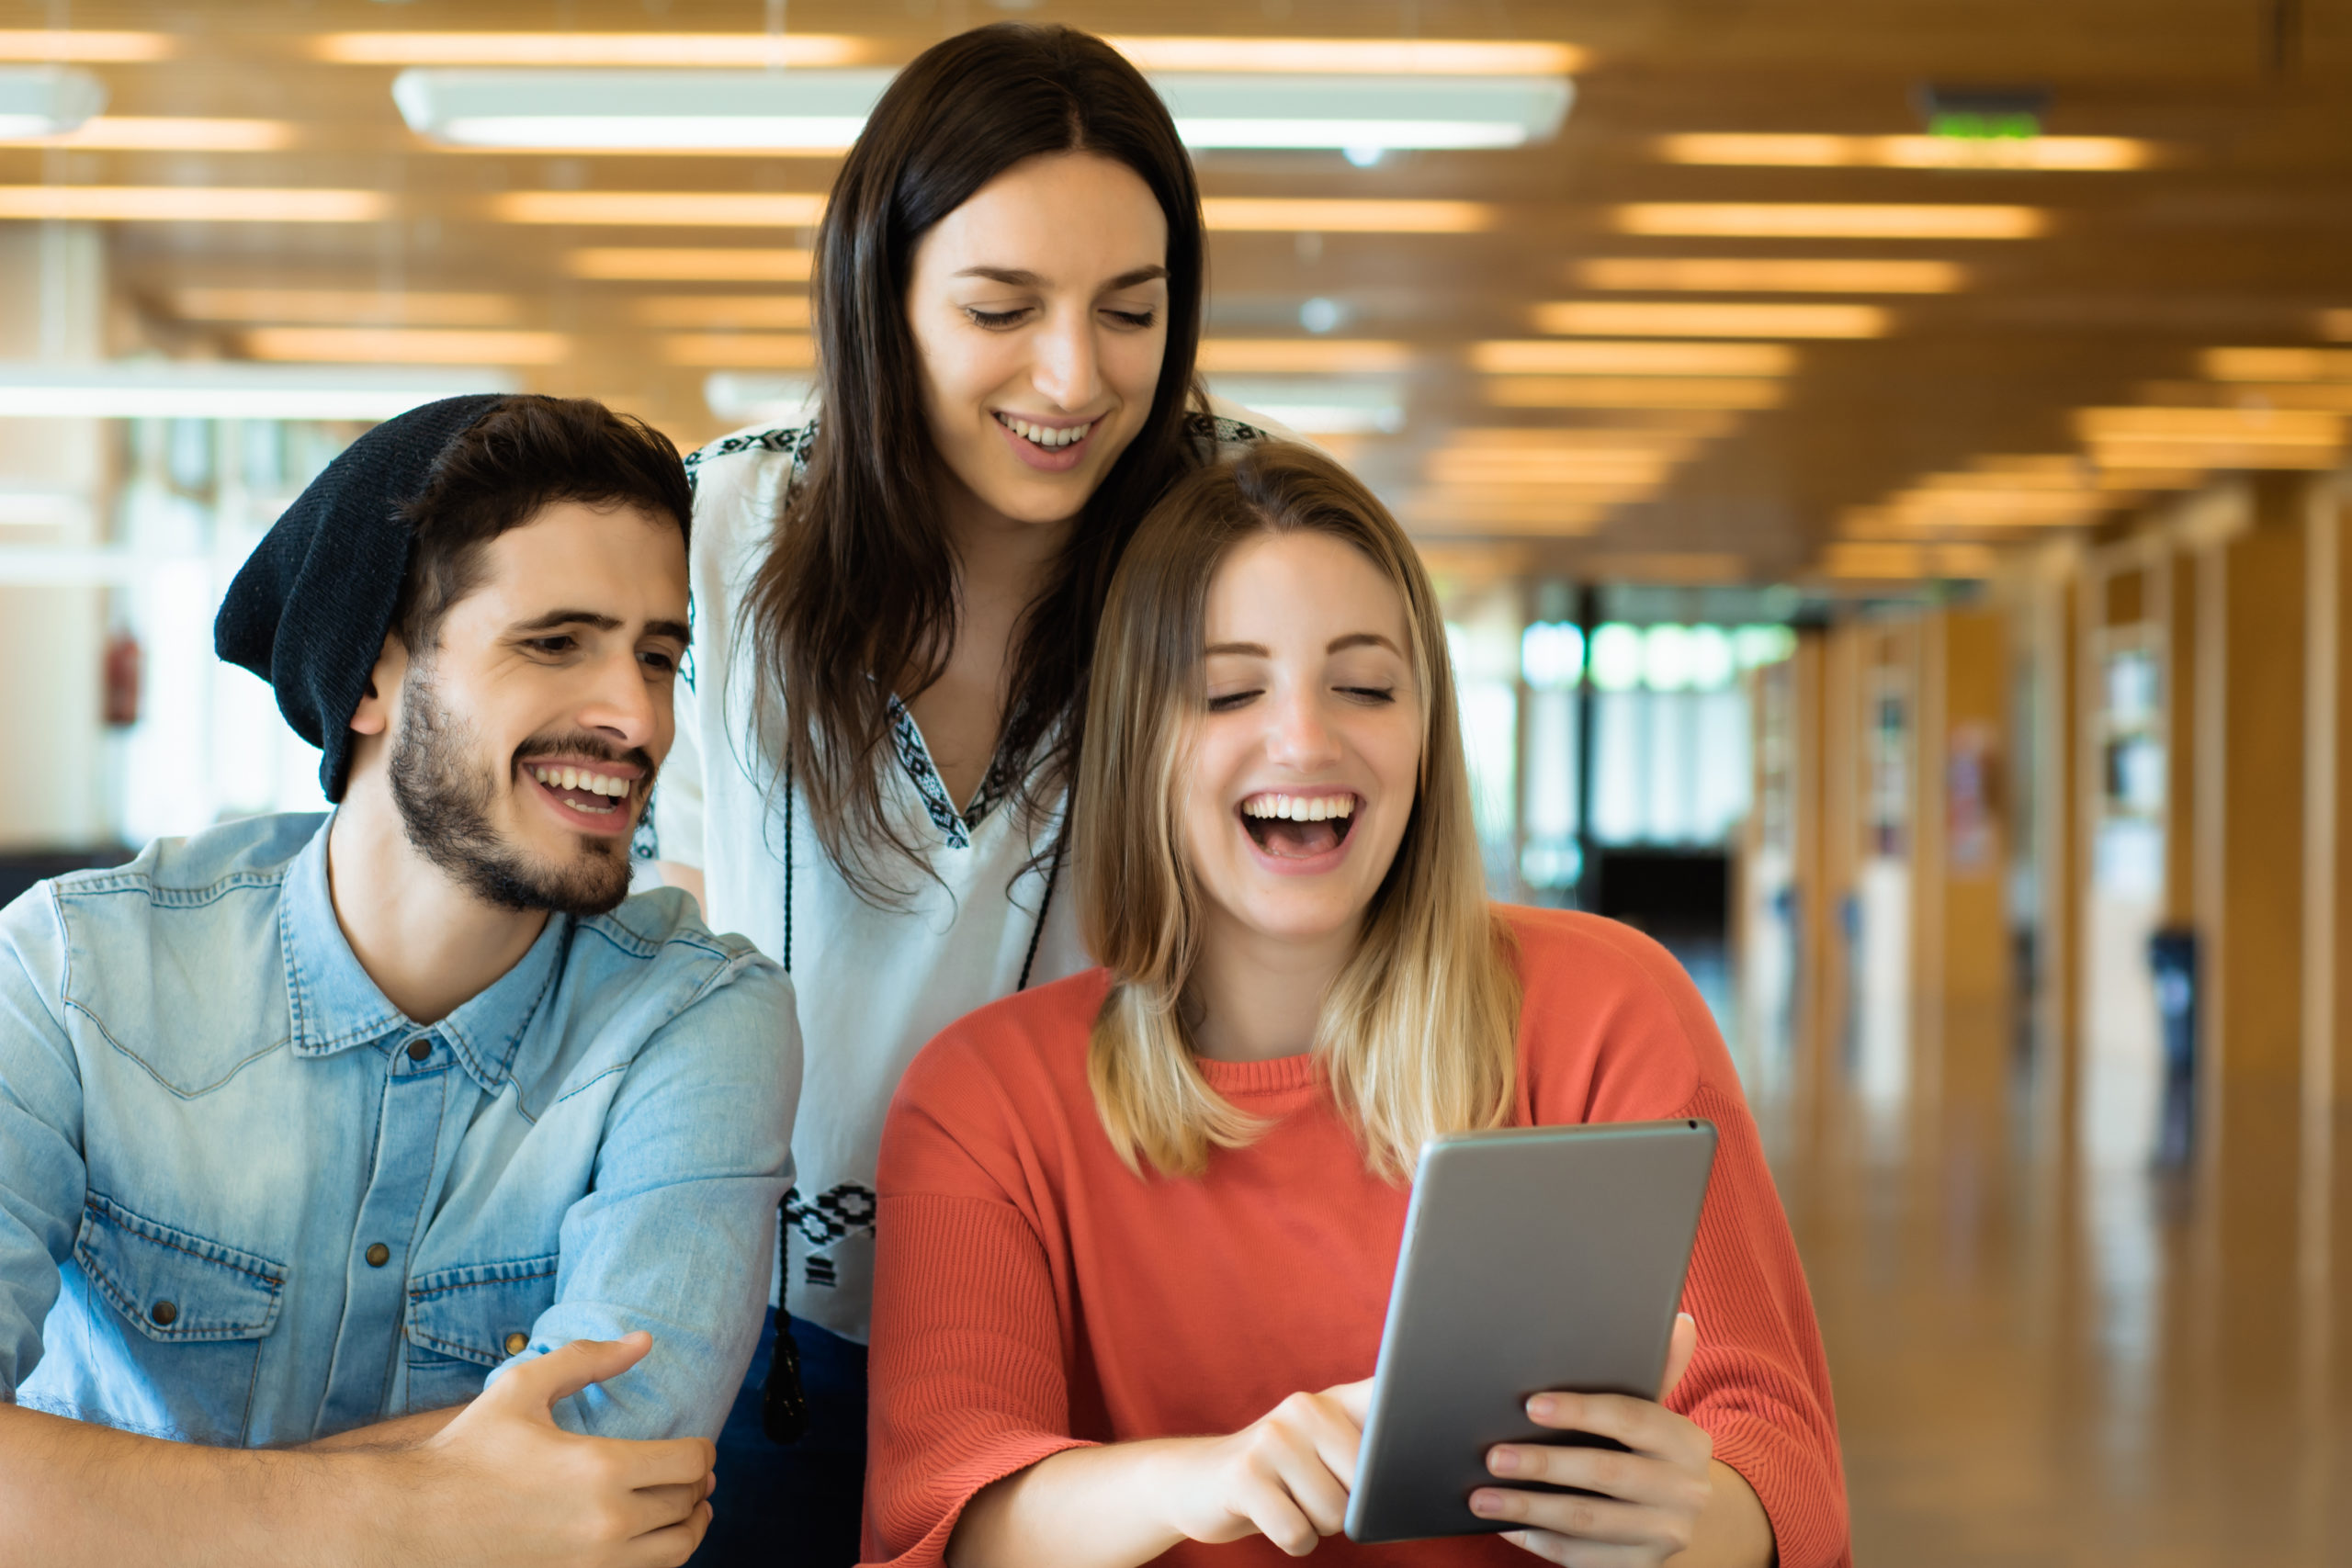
pixel 1418 1035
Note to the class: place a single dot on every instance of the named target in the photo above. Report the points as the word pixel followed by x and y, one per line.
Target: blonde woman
pixel 1133 1220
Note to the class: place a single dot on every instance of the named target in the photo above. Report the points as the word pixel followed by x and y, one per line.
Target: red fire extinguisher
pixel 120 680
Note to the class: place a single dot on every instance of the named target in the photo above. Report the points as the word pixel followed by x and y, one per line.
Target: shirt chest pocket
pixel 463 1322
pixel 189 1313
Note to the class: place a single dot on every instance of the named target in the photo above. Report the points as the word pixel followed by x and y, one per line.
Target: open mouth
pixel 1046 437
pixel 587 790
pixel 1299 826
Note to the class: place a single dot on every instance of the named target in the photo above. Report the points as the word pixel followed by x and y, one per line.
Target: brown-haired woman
pixel 895 610
pixel 1133 1220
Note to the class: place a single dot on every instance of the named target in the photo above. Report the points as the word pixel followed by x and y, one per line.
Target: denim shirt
pixel 244 1201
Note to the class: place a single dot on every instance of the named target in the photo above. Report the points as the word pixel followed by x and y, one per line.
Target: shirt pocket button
pixel 517 1342
pixel 163 1315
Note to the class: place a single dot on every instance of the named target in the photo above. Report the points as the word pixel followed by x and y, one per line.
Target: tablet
pixel 1534 1259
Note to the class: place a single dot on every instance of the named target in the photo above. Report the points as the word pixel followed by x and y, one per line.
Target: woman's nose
pixel 1301 737
pixel 1067 367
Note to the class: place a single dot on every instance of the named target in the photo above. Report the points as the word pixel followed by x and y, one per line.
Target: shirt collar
pixel 336 1006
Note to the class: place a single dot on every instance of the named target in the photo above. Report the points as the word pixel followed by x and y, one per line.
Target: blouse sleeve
pixel 1760 1383
pixel 968 1379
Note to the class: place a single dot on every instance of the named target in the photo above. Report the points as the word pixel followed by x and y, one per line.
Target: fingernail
pixel 1486 1503
pixel 1543 1407
pixel 1503 1461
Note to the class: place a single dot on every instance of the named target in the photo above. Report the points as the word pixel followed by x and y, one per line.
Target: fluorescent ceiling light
pixel 724 310
pixel 1836 220
pixel 29 508
pixel 2022 506
pixel 741 351
pixel 745 400
pixel 1363 113
pixel 185 390
pixel 2276 364
pixel 405 345
pixel 1756 275
pixel 1323 216
pixel 1615 318
pixel 64 43
pixel 1416 57
pixel 1320 405
pixel 640 109
pixel 2224 424
pixel 1595 466
pixel 823 110
pixel 2056 152
pixel 1903 562
pixel 1313 355
pixel 1632 393
pixel 345 307
pixel 2336 395
pixel 44 100
pixel 192 204
pixel 1541 357
pixel 632 50
pixel 136 133
pixel 1675 438
pixel 660 209
pixel 1445 509
pixel 657 264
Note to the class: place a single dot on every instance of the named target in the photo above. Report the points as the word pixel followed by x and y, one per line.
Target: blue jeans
pixel 797 1506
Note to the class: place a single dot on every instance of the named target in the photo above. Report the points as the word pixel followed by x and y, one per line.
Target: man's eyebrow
pixel 1363 639
pixel 1246 650
pixel 556 619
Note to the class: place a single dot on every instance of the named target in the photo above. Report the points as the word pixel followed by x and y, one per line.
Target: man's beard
pixel 445 799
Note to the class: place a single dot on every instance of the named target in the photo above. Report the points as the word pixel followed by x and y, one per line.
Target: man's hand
pixel 501 1485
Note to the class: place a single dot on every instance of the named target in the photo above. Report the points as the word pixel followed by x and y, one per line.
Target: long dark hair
pixel 858 593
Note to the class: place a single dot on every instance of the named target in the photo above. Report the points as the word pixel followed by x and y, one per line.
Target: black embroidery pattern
pixel 847 1210
pixel 796 439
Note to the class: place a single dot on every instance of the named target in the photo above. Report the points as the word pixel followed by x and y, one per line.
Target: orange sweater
pixel 1032 1295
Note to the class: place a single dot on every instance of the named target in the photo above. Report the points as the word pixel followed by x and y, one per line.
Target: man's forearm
pixel 77 1495
pixel 393 1434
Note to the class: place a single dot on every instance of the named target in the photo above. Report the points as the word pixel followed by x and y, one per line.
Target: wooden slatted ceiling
pixel 2243 238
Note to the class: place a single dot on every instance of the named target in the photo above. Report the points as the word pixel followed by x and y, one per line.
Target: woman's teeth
pixel 1300 808
pixel 1043 436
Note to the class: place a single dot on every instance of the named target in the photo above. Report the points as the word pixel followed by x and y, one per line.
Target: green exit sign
pixel 1965 125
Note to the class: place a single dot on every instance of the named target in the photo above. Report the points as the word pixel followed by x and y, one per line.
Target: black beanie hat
pixel 310 608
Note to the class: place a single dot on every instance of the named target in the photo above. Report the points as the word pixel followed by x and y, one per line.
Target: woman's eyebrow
pixel 1363 639
pixel 1245 649
pixel 1018 277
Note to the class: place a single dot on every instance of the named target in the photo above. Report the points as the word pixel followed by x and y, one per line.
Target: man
pixel 311 1128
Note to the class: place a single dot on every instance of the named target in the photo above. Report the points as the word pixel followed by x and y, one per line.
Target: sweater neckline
pixel 1276 1075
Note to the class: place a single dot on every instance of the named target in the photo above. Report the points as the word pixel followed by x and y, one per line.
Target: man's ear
pixel 374 714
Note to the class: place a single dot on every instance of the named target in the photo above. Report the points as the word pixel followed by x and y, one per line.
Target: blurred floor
pixel 2046 1349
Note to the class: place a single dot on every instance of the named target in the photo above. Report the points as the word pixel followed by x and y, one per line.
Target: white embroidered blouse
pixel 874 983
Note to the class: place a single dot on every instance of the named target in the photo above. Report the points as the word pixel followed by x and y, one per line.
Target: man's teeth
pixel 580 778
pixel 1300 808
pixel 1042 435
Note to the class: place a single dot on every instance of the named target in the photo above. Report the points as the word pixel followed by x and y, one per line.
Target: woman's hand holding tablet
pixel 1647 1499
